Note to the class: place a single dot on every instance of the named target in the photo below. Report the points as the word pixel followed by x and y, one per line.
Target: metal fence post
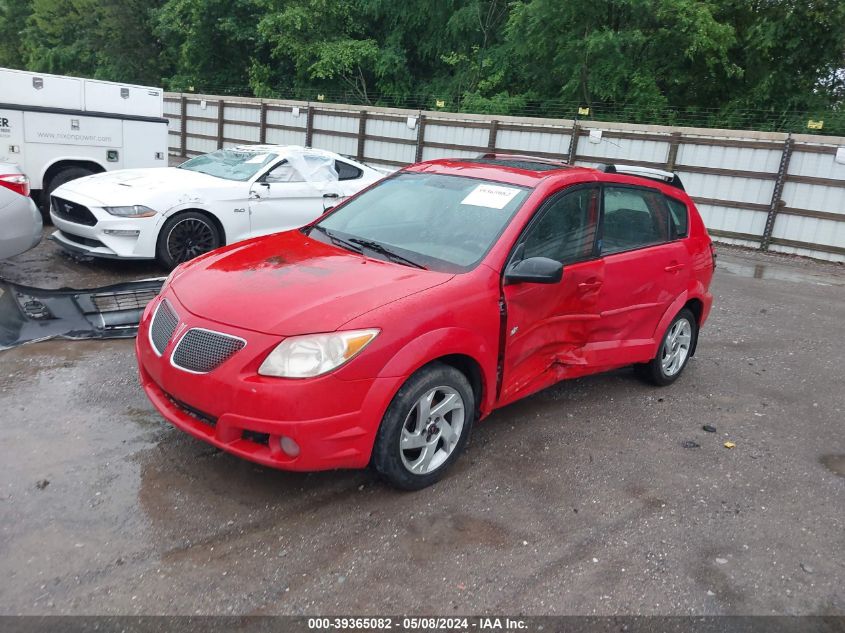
pixel 674 145
pixel 494 131
pixel 362 134
pixel 183 127
pixel 776 202
pixel 309 126
pixel 573 144
pixel 220 121
pixel 262 124
pixel 420 139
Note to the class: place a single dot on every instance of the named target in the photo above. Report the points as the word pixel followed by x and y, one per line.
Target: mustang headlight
pixel 134 211
pixel 315 354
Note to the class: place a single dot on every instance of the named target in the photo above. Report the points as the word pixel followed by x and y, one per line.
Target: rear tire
pixel 65 175
pixel 186 236
pixel 674 352
pixel 425 428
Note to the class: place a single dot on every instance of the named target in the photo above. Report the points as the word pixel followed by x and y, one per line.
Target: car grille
pixel 72 212
pixel 163 326
pixel 201 351
pixel 118 301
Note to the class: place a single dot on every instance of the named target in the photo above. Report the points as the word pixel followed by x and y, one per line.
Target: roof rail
pixel 668 177
pixel 522 157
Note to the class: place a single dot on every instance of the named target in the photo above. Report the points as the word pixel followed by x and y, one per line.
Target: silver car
pixel 20 219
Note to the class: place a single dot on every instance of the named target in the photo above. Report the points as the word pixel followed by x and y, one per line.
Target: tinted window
pixel 566 229
pixel 633 218
pixel 346 171
pixel 680 217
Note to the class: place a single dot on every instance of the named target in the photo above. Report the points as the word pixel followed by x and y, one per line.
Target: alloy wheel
pixel 432 430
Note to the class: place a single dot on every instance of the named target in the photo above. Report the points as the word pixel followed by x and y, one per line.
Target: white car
pixel 20 219
pixel 174 214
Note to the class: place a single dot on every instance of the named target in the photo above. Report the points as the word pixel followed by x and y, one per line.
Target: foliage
pixel 747 63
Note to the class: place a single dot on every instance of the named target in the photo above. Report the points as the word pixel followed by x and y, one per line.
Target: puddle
pixel 779 273
pixel 834 463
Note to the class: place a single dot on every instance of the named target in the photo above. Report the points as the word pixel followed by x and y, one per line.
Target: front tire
pixel 674 351
pixel 186 236
pixel 425 428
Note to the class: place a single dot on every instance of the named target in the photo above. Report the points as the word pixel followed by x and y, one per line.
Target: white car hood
pixel 142 186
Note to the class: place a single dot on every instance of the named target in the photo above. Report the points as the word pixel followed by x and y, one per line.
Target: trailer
pixel 60 128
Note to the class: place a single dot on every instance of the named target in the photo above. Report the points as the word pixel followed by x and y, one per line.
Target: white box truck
pixel 59 128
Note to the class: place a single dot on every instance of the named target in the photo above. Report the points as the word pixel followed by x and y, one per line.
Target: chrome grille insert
pixel 199 351
pixel 163 325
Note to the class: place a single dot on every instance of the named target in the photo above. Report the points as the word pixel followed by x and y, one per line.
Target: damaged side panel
pixel 35 314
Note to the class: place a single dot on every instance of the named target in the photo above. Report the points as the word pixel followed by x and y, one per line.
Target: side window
pixel 633 218
pixel 283 172
pixel 345 171
pixel 679 214
pixel 566 229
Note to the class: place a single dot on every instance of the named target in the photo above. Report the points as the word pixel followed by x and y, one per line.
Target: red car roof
pixel 501 168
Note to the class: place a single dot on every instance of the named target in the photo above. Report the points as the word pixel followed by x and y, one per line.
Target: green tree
pixel 208 45
pixel 13 18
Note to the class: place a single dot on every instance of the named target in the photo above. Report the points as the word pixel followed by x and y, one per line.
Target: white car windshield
pixel 231 164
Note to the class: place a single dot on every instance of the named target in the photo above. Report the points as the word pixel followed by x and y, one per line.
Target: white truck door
pixel 144 144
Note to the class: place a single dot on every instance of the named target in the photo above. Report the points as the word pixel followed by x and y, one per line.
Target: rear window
pixel 680 216
pixel 345 171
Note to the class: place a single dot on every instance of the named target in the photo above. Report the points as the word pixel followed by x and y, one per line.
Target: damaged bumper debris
pixel 31 314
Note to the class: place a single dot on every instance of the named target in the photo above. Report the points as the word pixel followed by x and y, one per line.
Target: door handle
pixel 673 268
pixel 331 195
pixel 589 285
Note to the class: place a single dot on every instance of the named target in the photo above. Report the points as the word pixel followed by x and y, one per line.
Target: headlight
pixel 315 354
pixel 135 211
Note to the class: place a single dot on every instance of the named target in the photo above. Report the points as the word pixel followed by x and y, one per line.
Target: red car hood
pixel 288 284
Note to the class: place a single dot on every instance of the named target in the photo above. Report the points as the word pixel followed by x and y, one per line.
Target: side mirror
pixel 534 270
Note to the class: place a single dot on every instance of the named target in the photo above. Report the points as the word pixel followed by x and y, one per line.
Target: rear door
pixel 549 325
pixel 646 269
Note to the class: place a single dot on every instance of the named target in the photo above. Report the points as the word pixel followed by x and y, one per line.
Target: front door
pixel 549 326
pixel 286 199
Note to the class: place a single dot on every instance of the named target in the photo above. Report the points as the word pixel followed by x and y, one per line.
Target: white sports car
pixel 174 214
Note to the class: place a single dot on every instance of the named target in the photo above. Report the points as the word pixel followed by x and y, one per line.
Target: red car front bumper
pixel 232 407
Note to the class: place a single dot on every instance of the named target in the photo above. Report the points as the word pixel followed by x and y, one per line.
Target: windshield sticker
pixel 260 158
pixel 490 196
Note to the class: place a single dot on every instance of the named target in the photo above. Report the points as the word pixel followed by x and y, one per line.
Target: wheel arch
pixel 57 166
pixel 211 216
pixel 460 348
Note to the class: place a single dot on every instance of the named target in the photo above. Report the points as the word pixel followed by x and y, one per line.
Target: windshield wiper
pixel 378 247
pixel 337 240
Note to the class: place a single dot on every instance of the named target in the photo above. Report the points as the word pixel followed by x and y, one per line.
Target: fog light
pixel 289 446
pixel 122 232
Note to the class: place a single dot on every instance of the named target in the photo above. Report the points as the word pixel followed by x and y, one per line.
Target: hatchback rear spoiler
pixel 668 177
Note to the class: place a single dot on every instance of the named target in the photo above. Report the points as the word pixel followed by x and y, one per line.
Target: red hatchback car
pixel 381 332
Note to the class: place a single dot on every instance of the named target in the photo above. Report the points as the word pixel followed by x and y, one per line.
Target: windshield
pixel 441 222
pixel 230 164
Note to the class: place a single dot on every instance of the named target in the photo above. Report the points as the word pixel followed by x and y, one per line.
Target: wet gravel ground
pixel 580 500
